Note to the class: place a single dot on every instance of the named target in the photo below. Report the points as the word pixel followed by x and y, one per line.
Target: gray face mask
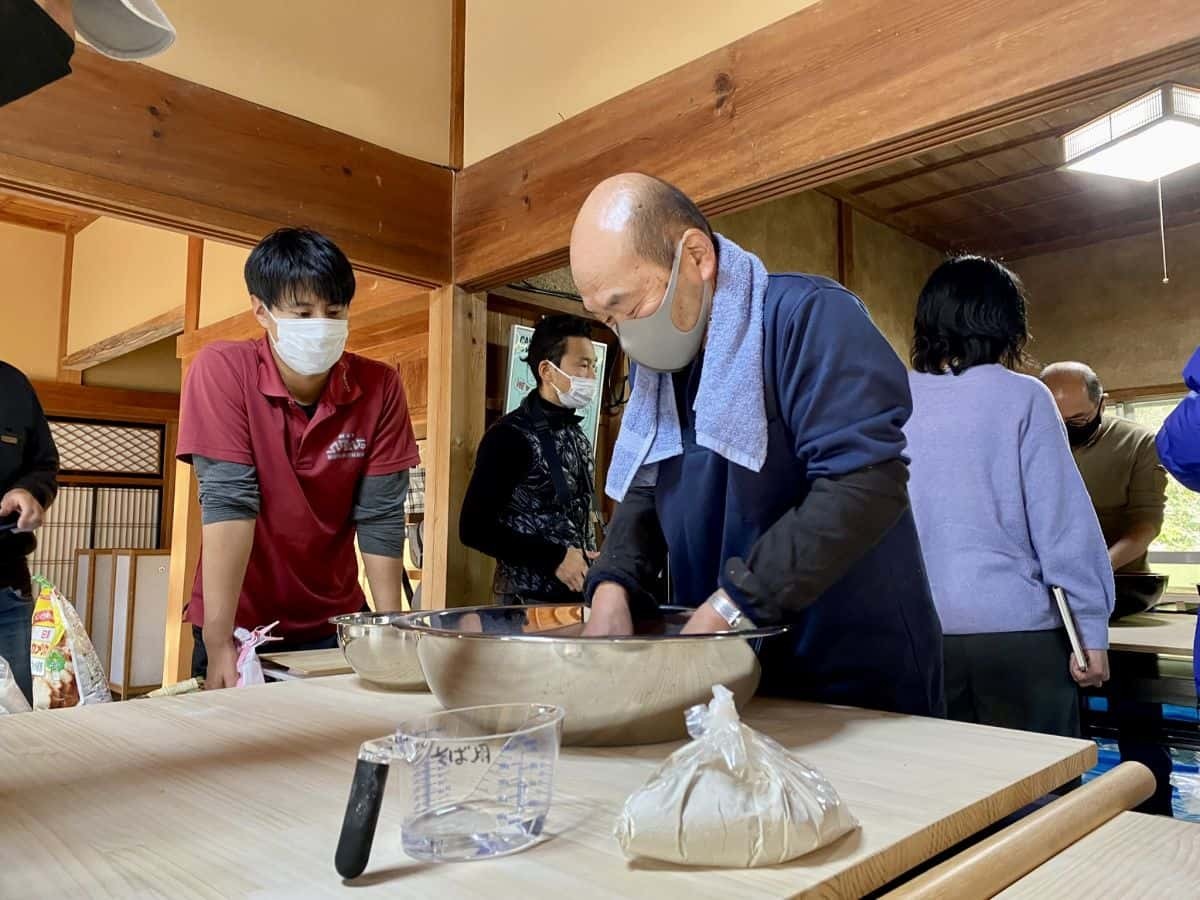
pixel 654 342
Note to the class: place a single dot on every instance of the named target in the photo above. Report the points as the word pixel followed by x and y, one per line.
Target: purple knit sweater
pixel 1001 508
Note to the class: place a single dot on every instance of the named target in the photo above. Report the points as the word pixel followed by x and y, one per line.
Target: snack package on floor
pixel 11 698
pixel 248 665
pixel 66 668
pixel 731 797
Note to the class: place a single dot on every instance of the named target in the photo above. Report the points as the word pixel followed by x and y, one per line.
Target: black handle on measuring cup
pixel 362 815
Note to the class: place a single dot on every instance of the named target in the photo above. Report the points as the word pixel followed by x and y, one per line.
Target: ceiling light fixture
pixel 1145 139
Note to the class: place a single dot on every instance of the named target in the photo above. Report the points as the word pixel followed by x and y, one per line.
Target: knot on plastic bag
pixel 718 724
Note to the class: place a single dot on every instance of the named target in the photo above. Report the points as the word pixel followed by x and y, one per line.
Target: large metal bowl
pixel 1137 592
pixel 382 649
pixel 616 690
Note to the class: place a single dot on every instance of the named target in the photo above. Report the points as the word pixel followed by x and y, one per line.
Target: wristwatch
pixel 728 610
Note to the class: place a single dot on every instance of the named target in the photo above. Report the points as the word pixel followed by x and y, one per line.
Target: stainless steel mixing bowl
pixel 616 690
pixel 382 649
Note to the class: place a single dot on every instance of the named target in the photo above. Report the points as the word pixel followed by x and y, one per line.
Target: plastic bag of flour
pixel 732 797
pixel 66 668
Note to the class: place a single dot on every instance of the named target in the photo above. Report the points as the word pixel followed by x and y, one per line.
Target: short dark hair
pixel 292 262
pixel 663 214
pixel 971 312
pixel 549 341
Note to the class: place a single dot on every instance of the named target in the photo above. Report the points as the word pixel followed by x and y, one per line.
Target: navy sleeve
pixel 844 395
pixel 842 389
pixel 1179 439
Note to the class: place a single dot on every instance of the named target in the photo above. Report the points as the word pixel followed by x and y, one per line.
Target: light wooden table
pixel 1130 856
pixel 1168 633
pixel 240 793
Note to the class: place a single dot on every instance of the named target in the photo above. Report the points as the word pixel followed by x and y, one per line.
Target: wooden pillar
pixel 458 56
pixel 184 506
pixel 195 274
pixel 845 244
pixel 68 376
pixel 453 575
pixel 185 555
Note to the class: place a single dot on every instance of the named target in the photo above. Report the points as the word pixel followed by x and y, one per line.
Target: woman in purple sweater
pixel 1001 509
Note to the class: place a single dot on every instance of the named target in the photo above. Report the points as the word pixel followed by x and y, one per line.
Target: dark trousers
pixel 16 629
pixel 1015 679
pixel 1133 721
pixel 200 654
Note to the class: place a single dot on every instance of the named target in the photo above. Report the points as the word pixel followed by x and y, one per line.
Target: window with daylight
pixel 1176 553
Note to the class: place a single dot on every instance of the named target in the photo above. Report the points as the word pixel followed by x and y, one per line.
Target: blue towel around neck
pixel 731 380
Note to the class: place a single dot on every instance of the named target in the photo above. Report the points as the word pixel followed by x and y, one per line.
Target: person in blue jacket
pixel 762 449
pixel 1179 449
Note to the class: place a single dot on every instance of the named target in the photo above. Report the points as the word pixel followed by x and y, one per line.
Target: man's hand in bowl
pixel 610 612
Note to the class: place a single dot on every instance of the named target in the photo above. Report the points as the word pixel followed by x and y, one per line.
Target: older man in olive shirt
pixel 1119 464
pixel 1128 486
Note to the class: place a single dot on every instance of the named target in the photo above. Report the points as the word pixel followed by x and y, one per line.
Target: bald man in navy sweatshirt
pixel 776 478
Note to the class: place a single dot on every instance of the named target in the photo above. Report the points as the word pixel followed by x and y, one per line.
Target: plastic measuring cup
pixel 480 783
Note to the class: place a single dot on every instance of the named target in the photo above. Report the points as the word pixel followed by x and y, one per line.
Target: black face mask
pixel 1079 435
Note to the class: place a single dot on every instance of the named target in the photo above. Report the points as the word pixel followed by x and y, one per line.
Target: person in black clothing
pixel 29 482
pixel 529 502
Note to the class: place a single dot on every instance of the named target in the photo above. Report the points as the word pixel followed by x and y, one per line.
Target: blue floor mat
pixel 1170 710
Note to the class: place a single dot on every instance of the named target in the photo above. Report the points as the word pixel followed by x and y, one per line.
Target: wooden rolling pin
pixel 990 866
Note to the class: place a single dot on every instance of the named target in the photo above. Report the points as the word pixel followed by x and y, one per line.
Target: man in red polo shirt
pixel 297 447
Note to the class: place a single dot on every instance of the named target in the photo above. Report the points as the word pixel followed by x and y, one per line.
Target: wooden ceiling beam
pixel 973 156
pixel 831 91
pixel 871 211
pixel 1006 211
pixel 22 220
pixel 1085 238
pixel 130 141
pixel 506 299
pixel 970 189
pixel 80 402
pixel 141 335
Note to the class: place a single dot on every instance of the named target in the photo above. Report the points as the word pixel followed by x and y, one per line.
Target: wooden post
pixel 845 244
pixel 458 56
pixel 185 555
pixel 453 575
pixel 195 275
pixel 184 533
pixel 68 376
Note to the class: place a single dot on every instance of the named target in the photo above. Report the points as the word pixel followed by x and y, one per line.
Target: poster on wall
pixel 521 381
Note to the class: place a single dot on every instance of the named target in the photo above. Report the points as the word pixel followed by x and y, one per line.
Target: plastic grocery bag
pixel 66 668
pixel 248 665
pixel 732 797
pixel 11 698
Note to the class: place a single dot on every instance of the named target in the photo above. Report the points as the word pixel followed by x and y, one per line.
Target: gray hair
pixel 1091 381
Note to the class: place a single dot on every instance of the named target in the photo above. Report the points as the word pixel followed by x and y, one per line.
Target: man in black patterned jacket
pixel 530 498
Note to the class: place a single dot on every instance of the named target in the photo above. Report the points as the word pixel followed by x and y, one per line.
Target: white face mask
pixel 581 392
pixel 310 346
